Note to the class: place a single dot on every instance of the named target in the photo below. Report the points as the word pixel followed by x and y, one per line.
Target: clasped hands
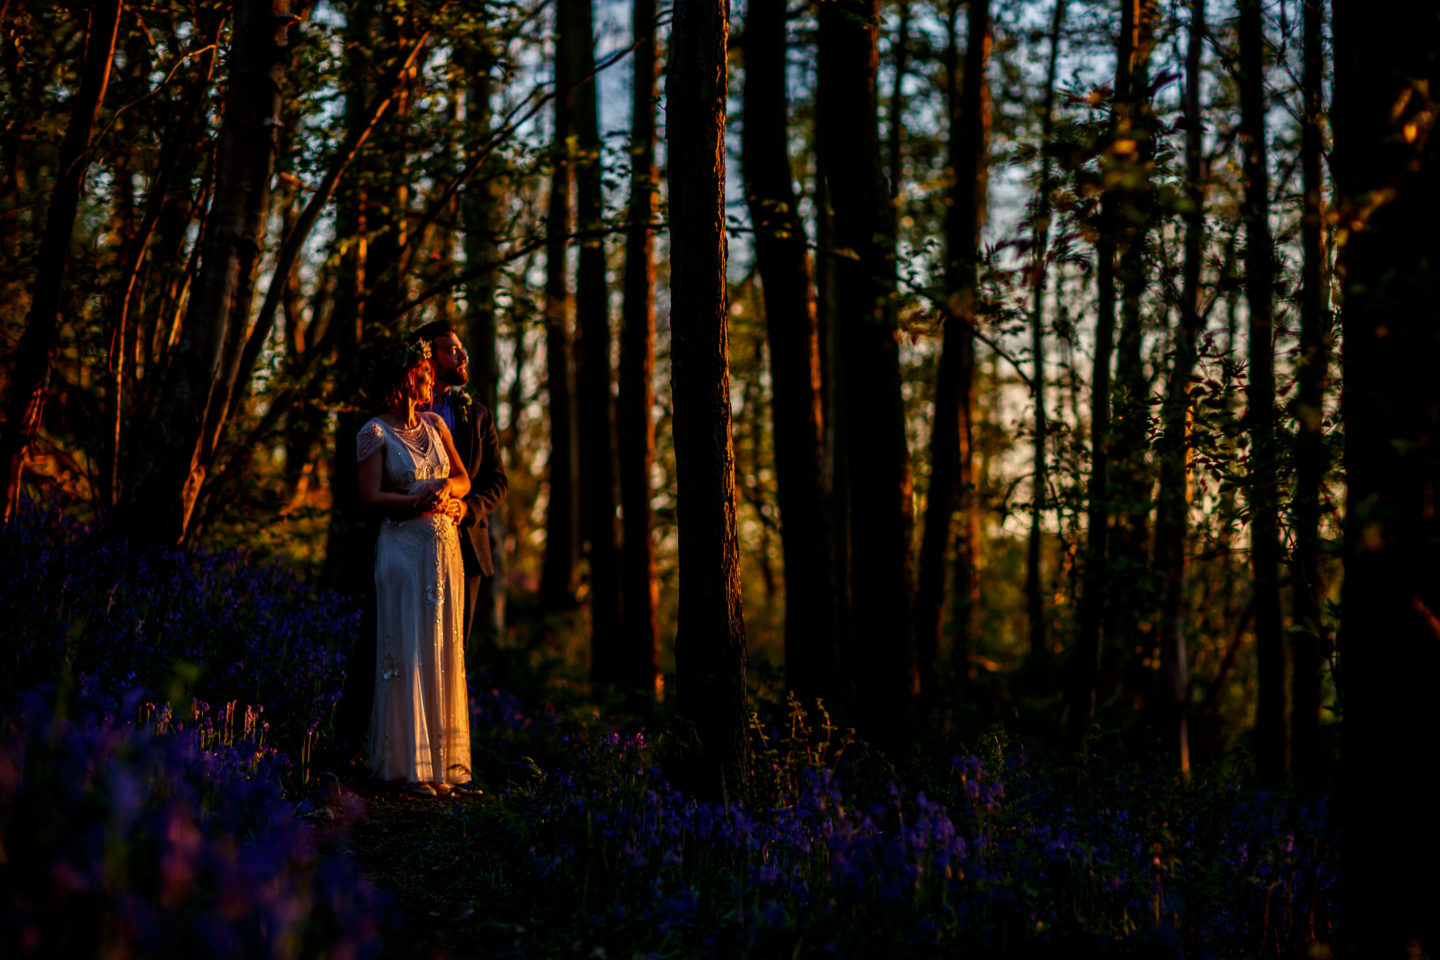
pixel 438 500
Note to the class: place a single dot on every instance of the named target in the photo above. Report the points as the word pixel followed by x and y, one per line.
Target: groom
pixel 472 425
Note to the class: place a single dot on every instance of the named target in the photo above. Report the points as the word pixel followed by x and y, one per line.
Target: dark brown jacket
pixel 478 444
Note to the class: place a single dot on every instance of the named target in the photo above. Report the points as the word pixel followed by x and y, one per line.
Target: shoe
pixel 469 788
pixel 420 789
pixel 441 787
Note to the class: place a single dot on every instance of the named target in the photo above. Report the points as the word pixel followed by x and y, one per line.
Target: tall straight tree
pixel 1386 160
pixel 710 629
pixel 1094 597
pixel 952 470
pixel 640 633
pixel 792 327
pixel 1039 280
pixel 561 567
pixel 593 378
pixel 31 374
pixel 1309 410
pixel 876 458
pixel 1270 740
pixel 480 212
pixel 1172 516
pixel 202 368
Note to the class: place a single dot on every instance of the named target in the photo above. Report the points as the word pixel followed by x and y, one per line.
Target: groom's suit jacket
pixel 478 444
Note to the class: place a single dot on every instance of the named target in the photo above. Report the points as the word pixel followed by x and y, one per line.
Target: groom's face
pixel 451 362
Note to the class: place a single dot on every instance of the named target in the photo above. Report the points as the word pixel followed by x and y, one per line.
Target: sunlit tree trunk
pixel 1311 459
pixel 1174 501
pixel 161 488
pixel 876 458
pixel 640 634
pixel 710 633
pixel 1270 740
pixel 806 529
pixel 1039 277
pixel 560 571
pixel 952 472
pixel 1386 160
pixel 30 375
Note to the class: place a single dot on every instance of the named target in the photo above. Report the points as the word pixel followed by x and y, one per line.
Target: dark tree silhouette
pixel 710 633
pixel 792 326
pixel 31 374
pixel 1387 171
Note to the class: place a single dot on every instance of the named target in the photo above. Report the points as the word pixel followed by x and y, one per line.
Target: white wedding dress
pixel 420 727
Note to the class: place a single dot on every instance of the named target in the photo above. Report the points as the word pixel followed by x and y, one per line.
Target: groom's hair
pixel 433 329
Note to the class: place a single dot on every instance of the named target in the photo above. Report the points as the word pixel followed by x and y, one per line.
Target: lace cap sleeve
pixel 370 438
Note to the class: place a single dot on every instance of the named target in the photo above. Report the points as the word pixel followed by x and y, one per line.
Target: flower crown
pixel 402 356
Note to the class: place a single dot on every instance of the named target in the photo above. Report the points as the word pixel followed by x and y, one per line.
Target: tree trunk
pixel 480 210
pixel 1387 166
pixel 792 326
pixel 1270 741
pixel 1034 588
pixel 592 321
pixel 161 489
pixel 1173 511
pixel 561 568
pixel 1094 598
pixel 640 633
pixel 1311 460
pixel 952 473
pixel 710 633
pixel 30 376
pixel 877 461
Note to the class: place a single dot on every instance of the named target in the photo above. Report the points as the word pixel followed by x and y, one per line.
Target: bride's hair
pixel 396 374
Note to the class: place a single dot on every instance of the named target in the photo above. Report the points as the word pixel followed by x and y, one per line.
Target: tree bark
pixel 1386 160
pixel 1172 515
pixel 1094 597
pixel 592 320
pixel 480 210
pixel 952 472
pixel 1039 257
pixel 877 461
pixel 710 633
pixel 1270 740
pixel 30 377
pixel 161 490
pixel 640 632
pixel 559 576
pixel 1311 458
pixel 792 327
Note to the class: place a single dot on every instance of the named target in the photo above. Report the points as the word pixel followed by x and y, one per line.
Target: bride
pixel 409 472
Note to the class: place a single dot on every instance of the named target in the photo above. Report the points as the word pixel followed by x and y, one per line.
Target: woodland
pixel 970 474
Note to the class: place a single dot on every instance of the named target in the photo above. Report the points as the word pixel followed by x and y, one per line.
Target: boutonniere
pixel 460 399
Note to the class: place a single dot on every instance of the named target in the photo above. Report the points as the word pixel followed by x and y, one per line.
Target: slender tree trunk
pixel 161 489
pixel 560 571
pixel 806 528
pixel 877 461
pixel 640 633
pixel 1034 588
pixel 178 148
pixel 30 376
pixel 1387 164
pixel 1311 460
pixel 1094 597
pixel 1173 511
pixel 1270 741
pixel 592 320
pixel 952 480
pixel 480 210
pixel 710 634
